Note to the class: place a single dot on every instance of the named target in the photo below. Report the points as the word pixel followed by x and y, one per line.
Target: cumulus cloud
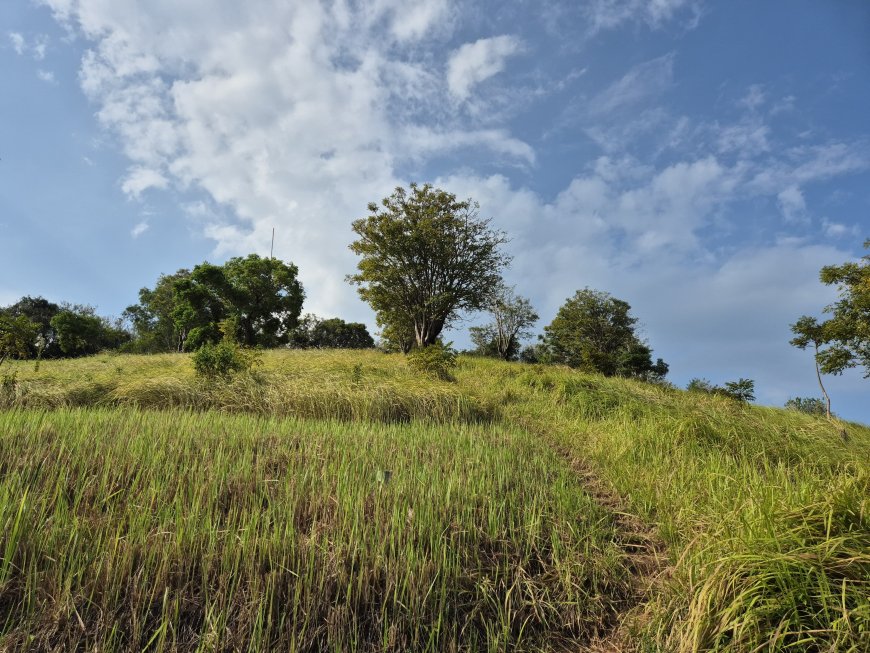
pixel 473 63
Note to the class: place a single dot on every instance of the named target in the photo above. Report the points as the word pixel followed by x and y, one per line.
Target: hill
pixel 335 500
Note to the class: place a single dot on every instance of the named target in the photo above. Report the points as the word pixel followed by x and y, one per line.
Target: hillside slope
pixel 765 513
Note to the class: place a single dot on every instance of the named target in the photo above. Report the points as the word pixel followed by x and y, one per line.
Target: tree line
pixel 426 259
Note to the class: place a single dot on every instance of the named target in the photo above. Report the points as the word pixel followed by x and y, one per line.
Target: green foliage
pixel 39 311
pixel 334 333
pixel 595 332
pixel 226 358
pixel 426 256
pixel 153 318
pixel 843 341
pixel 513 317
pixel 183 311
pixel 808 405
pixel 437 360
pixel 17 337
pixel 396 332
pixel 80 332
pixel 741 390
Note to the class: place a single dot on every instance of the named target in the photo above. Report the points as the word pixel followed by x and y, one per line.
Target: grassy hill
pixel 336 501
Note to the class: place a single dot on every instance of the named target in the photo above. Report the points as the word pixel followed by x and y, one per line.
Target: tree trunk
pixel 821 385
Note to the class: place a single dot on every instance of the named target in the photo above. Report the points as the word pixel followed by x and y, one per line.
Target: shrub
pixel 808 405
pixel 222 360
pixel 436 360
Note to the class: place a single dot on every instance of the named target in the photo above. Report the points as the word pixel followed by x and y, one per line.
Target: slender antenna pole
pixel 272 250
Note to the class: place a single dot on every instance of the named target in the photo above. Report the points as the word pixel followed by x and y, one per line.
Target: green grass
pixel 126 529
pixel 766 512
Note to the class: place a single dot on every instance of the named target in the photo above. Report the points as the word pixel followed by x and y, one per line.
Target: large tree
pixel 185 309
pixel 843 341
pixel 595 332
pixel 39 311
pixel 426 256
pixel 512 319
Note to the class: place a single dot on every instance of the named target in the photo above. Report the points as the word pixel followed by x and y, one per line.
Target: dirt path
pixel 644 551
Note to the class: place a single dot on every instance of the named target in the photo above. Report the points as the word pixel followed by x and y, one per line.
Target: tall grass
pixel 765 511
pixel 137 530
pixel 318 384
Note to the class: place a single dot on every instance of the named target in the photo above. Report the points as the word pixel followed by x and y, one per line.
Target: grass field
pixel 336 501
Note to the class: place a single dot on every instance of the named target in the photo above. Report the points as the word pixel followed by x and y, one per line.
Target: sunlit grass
pixel 765 511
pixel 124 529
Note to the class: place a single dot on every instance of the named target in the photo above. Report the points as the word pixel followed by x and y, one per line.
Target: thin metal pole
pixel 272 250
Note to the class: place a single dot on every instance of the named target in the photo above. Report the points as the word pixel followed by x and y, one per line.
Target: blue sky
pixel 699 160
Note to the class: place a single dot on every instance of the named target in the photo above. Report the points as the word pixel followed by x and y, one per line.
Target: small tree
pixel 808 332
pixel 596 332
pixel 426 256
pixel 513 317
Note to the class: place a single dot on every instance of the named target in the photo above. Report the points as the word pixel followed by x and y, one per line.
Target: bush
pixel 808 405
pixel 741 390
pixel 222 360
pixel 436 360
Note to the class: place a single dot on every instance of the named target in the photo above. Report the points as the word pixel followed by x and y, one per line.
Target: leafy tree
pixel 333 333
pixel 81 332
pixel 184 309
pixel 513 317
pixel 153 319
pixel 842 341
pixel 39 311
pixel 741 390
pixel 595 332
pixel 426 256
pixel 266 296
pixel 808 332
pixel 17 335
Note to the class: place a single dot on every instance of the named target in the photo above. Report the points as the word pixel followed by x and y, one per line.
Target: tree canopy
pixel 334 333
pixel 513 317
pixel 185 309
pixel 425 256
pixel 594 331
pixel 842 341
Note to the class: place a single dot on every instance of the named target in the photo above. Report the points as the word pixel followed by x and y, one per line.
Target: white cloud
pixel 139 229
pixel 473 63
pixel 139 179
pixel 46 76
pixel 838 230
pixel 754 98
pixel 609 14
pixel 18 42
pixel 643 82
pixel 292 115
pixel 792 204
